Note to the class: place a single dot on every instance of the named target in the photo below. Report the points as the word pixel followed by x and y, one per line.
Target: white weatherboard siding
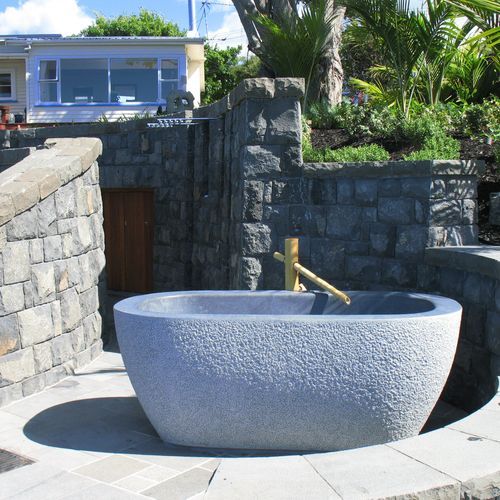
pixel 18 67
pixel 40 113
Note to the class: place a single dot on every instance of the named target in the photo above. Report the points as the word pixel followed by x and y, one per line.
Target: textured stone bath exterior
pixel 285 370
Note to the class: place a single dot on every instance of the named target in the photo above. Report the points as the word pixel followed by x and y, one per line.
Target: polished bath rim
pixel 443 306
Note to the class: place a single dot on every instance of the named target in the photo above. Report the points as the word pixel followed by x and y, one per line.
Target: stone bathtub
pixel 286 370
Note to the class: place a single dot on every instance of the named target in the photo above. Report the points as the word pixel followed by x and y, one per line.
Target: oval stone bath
pixel 287 370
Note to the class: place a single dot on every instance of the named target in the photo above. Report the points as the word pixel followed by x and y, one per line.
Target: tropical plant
pixel 297 38
pixel 418 49
pixel 146 23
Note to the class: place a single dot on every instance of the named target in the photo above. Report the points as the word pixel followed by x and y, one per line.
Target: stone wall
pixel 470 275
pixel 51 263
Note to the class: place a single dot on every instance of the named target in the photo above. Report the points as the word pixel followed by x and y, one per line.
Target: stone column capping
pixel 481 259
pixel 43 172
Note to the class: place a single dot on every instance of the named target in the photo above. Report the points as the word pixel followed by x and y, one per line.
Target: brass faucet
pixel 293 270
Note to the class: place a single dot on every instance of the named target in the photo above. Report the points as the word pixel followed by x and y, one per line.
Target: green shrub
pixel 437 147
pixel 369 152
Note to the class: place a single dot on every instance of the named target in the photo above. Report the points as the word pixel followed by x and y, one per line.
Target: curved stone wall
pixel 51 261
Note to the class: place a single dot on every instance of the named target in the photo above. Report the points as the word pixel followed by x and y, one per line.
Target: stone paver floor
pixel 90 439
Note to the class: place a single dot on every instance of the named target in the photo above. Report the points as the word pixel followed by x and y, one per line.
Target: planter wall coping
pixel 44 171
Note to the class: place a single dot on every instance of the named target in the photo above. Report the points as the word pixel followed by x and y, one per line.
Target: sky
pixel 217 19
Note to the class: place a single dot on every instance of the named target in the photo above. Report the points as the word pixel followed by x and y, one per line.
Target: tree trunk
pixel 328 84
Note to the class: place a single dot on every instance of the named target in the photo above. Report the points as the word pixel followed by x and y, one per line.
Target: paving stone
pixel 157 473
pixel 35 325
pixel 26 478
pixel 182 486
pixel 460 455
pixel 287 477
pixel 380 472
pixel 112 468
pixel 135 483
pixel 104 491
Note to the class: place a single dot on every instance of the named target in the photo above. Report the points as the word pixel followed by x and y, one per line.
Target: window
pixel 106 80
pixel 48 78
pixel 169 77
pixel 134 80
pixel 84 80
pixel 7 85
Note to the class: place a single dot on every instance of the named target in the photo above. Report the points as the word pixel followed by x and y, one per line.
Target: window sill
pixel 2 101
pixel 97 104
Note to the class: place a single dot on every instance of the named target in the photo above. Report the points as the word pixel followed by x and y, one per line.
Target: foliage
pixel 146 23
pixel 224 69
pixel 437 147
pixel 429 55
pixel 294 45
pixel 368 152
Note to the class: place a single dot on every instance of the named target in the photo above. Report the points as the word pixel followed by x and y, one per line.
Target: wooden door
pixel 128 231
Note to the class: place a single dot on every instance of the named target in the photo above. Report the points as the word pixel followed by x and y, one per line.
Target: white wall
pixel 19 68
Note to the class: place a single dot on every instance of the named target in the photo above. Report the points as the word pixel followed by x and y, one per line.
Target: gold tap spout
pixel 293 269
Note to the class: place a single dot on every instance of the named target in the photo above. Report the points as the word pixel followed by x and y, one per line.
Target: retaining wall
pixel 51 263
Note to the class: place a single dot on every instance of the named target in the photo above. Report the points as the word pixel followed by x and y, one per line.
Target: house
pixel 53 79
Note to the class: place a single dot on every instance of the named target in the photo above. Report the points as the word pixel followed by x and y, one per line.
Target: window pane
pixel 5 85
pixel 48 91
pixel 134 80
pixel 169 70
pixel 166 88
pixel 84 80
pixel 48 70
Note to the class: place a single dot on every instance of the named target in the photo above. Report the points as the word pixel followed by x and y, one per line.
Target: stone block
pixel 451 282
pixel 22 227
pixel 278 215
pixel 89 301
pixel 365 191
pixel 494 213
pixel 251 273
pixel 253 192
pixel 483 488
pixel 410 242
pixel 472 288
pixel 65 201
pixel 396 210
pixel 43 357
pixel 323 191
pixel 465 187
pixel 307 220
pixel 33 385
pixel 52 248
pixel 382 240
pixel 445 213
pixel 362 268
pixel 252 130
pixel 10 393
pixel 327 258
pixel 16 366
pixel 56 317
pixel 43 280
pixel 11 299
pixel 257 239
pixel 389 188
pixel 436 236
pixel 284 121
pixel 290 191
pixel 473 323
pixel 7 209
pixel 78 339
pixel 67 245
pixel 9 334
pixel 62 349
pixel 61 275
pixel 416 187
pixel 92 328
pixel 88 274
pixel 28 294
pixel 344 222
pixel 427 278
pixel 47 217
pixel 36 251
pixel 16 262
pixel 345 191
pixel 461 235
pixel 70 310
pixel 82 236
pixel 421 211
pixel 469 212
pixel 24 194
pixel 260 161
pixel 289 87
pixel 35 325
pixel 292 160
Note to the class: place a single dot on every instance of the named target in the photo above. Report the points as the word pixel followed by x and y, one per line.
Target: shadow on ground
pixel 112 425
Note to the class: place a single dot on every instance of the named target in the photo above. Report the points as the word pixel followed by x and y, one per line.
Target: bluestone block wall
pixel 51 264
